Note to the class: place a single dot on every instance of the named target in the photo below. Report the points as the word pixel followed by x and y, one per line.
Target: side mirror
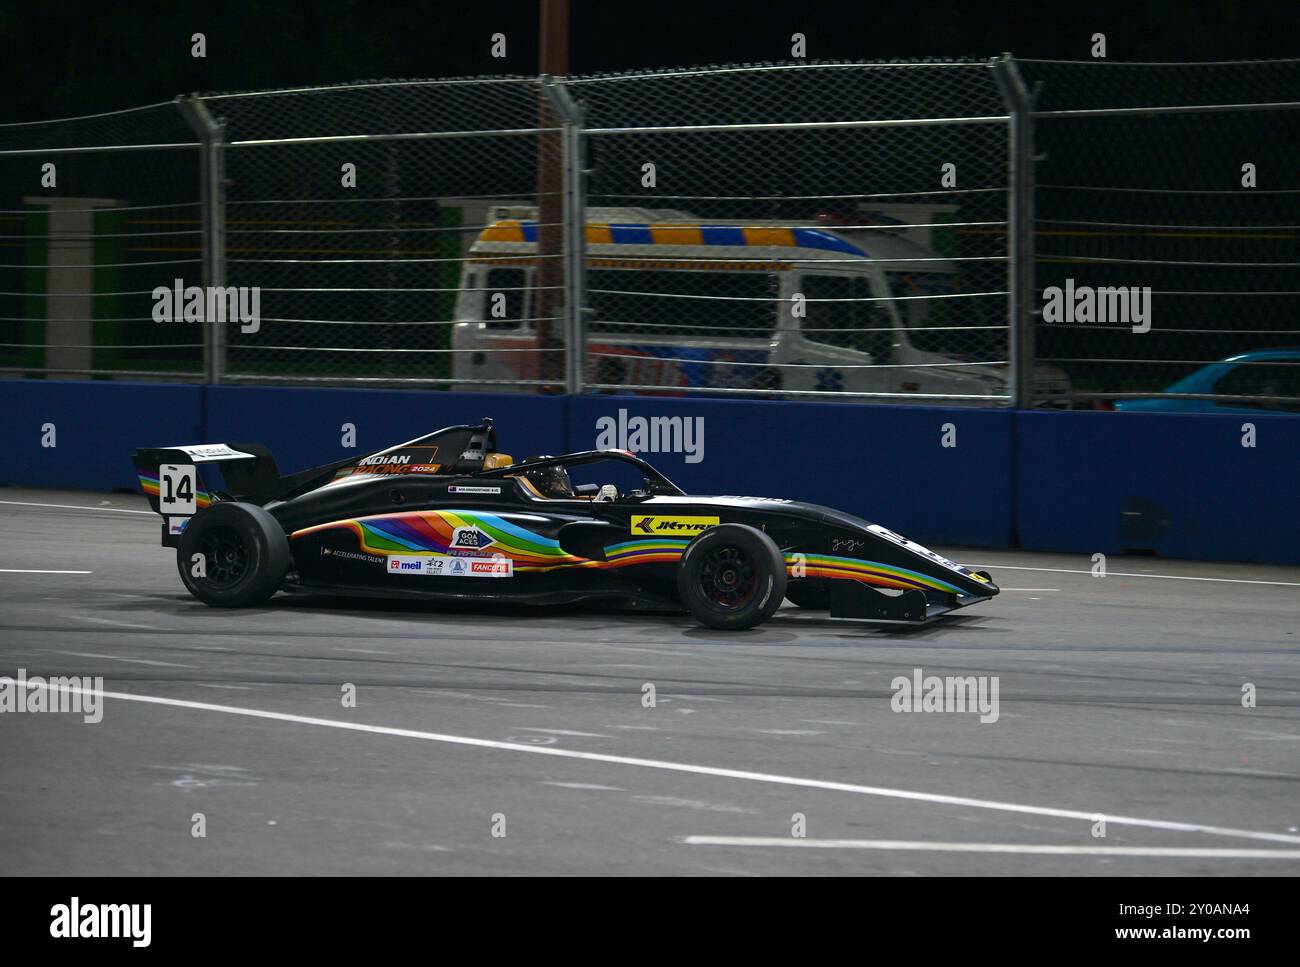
pixel 586 490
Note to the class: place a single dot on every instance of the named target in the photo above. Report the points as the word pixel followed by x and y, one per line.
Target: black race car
pixel 447 516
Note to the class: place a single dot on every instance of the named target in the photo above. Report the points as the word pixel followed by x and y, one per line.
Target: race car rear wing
pixel 177 487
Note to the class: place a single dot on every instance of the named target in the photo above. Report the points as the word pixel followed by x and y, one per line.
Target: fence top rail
pixel 413 136
pixel 644 75
pixel 801 125
pixel 167 146
pixel 88 117
pixel 647 75
pixel 369 85
pixel 1096 112
pixel 1162 63
pixel 117 208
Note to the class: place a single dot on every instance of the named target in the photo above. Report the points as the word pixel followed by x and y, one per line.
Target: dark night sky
pixel 64 59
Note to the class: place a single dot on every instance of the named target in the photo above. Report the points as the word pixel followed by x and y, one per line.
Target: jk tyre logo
pixel 646 524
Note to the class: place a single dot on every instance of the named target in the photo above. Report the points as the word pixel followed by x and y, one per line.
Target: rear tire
pixel 245 555
pixel 732 577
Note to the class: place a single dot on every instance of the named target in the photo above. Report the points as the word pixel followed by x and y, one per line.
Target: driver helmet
pixel 552 481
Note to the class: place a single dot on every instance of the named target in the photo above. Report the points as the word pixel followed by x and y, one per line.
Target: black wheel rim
pixel 728 578
pixel 225 557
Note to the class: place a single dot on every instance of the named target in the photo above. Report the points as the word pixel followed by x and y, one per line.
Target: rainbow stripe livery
pixel 434 532
pixel 869 572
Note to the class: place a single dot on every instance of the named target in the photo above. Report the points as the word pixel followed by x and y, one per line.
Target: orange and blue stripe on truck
pixel 673 233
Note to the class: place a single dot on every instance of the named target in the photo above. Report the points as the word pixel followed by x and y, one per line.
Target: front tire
pixel 244 551
pixel 732 577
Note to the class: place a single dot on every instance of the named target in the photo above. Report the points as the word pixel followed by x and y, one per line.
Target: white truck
pixel 678 304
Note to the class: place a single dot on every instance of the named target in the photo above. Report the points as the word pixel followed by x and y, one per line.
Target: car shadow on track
pixel 789 627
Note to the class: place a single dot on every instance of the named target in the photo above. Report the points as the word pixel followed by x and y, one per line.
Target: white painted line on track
pixel 131 661
pixel 92 619
pixel 1134 574
pixel 569 732
pixel 699 770
pixel 31 570
pixel 1028 589
pixel 594 786
pixel 111 510
pixel 1023 848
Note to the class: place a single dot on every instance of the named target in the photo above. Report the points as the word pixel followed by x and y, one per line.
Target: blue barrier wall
pixel 97 425
pixel 884 463
pixel 1180 484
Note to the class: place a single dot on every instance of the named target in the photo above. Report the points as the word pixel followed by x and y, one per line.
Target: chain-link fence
pixel 817 230
pixel 352 210
pixel 860 231
pixel 1181 179
pixel 95 212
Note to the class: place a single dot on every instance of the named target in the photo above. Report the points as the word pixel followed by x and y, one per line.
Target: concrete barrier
pixel 95 425
pixel 1177 484
pixel 885 463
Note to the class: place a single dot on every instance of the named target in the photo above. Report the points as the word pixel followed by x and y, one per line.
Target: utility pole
pixel 553 58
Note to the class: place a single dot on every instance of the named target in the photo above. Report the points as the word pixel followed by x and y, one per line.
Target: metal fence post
pixel 212 193
pixel 575 236
pixel 1022 294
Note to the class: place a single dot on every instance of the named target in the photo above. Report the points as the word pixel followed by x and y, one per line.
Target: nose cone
pixel 986 583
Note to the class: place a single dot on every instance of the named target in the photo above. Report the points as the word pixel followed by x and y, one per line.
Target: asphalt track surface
pixel 1118 696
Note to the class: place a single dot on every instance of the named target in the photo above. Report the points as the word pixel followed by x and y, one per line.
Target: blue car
pixel 1231 378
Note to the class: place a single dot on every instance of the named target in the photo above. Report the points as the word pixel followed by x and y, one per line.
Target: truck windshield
pixel 841 312
pixel 933 322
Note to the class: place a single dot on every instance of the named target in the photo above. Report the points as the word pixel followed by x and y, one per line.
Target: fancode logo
pixel 645 524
